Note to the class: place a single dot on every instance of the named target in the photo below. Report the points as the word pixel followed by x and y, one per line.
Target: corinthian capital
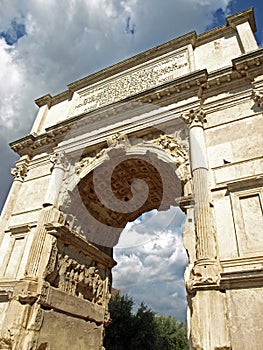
pixel 59 160
pixel 194 117
pixel 19 172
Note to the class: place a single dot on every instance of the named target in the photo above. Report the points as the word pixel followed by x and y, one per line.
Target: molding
pixel 188 39
pixel 235 163
pixel 19 229
pixel 242 279
pixel 245 261
pixel 250 60
pixel 243 184
pixel 71 237
pixel 62 302
pixel 241 17
pixel 44 100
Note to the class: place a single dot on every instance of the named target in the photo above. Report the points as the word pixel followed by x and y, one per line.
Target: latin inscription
pixel 134 82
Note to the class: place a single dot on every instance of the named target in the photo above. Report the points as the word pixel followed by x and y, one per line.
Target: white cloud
pixel 65 41
pixel 152 271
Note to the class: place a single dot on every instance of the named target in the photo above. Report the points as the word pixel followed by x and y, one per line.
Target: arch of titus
pixel 179 124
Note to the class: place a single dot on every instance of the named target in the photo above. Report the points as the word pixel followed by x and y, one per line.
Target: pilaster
pixel 19 173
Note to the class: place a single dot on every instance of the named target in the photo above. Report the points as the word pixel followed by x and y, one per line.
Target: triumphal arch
pixel 177 125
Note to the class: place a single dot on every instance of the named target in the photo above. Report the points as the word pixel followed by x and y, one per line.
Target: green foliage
pixel 143 330
pixel 120 331
pixel 171 334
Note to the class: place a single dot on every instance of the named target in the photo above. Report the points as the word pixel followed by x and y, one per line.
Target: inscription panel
pixel 133 82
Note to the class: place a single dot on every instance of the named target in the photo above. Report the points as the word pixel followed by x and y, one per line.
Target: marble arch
pixel 189 112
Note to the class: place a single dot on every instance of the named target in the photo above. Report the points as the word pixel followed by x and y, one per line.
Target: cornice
pixel 241 17
pixel 190 38
pixel 251 60
pixel 44 100
pixel 131 62
pixel 198 83
pixel 53 100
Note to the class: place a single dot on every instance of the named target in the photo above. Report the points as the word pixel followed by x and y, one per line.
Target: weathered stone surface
pixel 178 125
pixel 60 331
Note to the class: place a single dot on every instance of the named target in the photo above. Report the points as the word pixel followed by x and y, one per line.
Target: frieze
pixel 134 82
pixel 79 280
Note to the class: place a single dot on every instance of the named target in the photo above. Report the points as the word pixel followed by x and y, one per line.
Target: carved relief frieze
pixel 83 281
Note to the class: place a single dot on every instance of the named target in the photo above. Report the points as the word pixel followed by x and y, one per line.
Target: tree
pixel 119 332
pixel 170 334
pixel 142 330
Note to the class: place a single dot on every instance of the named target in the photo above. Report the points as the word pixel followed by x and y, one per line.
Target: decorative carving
pixel 134 82
pixel 88 160
pixel 204 274
pixel 52 258
pixel 118 139
pixel 39 319
pixel 257 96
pixel 178 150
pixel 79 280
pixel 194 117
pixel 19 172
pixel 6 343
pixel 59 160
pixel 44 293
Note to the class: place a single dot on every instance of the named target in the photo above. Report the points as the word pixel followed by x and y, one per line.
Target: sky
pixel 47 44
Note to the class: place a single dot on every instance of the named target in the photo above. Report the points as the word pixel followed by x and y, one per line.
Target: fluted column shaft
pixel 205 244
pixel 49 213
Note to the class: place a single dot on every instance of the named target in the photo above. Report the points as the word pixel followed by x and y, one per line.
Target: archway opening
pixel 135 192
pixel 151 261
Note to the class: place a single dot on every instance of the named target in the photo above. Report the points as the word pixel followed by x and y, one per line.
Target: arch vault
pixel 180 124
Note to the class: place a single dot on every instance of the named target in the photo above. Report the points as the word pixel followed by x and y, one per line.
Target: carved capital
pixel 257 96
pixel 19 172
pixel 206 274
pixel 194 117
pixel 59 160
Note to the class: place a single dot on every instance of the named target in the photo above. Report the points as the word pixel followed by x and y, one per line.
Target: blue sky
pixel 45 45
